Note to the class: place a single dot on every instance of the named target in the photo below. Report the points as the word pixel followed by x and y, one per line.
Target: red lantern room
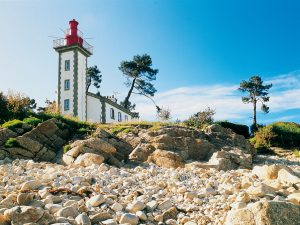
pixel 73 36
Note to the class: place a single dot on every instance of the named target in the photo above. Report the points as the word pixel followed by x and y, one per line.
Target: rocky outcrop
pixel 102 146
pixel 40 144
pixel 176 145
pixel 265 213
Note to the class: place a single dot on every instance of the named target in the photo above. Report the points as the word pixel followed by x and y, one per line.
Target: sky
pixel 202 48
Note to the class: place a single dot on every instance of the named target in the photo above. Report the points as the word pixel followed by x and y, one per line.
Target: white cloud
pixel 185 101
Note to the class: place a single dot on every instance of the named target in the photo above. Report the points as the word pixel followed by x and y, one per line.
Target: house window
pixel 112 113
pixel 66 104
pixel 67 65
pixel 126 118
pixel 67 85
pixel 119 117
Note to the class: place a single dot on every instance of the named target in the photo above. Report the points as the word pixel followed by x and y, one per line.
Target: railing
pixel 79 32
pixel 63 42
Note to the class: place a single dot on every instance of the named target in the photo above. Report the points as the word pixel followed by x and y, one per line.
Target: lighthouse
pixel 73 52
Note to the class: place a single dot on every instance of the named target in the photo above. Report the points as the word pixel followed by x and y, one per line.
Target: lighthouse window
pixel 67 104
pixel 67 85
pixel 119 117
pixel 112 113
pixel 67 65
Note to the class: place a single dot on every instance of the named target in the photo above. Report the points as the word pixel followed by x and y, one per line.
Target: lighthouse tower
pixel 73 52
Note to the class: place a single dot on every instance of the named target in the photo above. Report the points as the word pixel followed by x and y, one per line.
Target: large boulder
pixel 166 159
pixel 88 159
pixel 265 213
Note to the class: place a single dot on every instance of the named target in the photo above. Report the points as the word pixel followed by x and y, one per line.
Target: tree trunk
pixel 254 113
pixel 126 101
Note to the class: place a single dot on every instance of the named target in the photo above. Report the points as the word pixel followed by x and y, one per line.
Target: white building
pixel 73 97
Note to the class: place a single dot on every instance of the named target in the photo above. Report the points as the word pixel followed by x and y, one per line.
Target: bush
pixel 296 153
pixel 4 113
pixel 201 119
pixel 263 137
pixel 32 121
pixel 237 128
pixel 288 134
pixel 67 148
pixel 12 124
pixel 11 142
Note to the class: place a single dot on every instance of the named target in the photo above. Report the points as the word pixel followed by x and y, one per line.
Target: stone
pixel 66 212
pixel 151 205
pixel 142 152
pixel 266 171
pixel 117 207
pixel 109 222
pixel 261 190
pixel 83 219
pixel 99 217
pixel 89 159
pixel 171 213
pixel 243 197
pixel 136 206
pixel 24 198
pixel 267 212
pixel 53 208
pixel 294 198
pixel 129 218
pixel 166 159
pixel 98 144
pixel 191 195
pixel 31 185
pixel 165 205
pixel 95 200
pixel 286 175
pixel 141 215
pixel 20 215
pixel 5 134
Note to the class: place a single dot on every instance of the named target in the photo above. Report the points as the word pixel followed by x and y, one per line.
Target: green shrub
pixel 32 121
pixel 11 142
pixel 296 153
pixel 263 138
pixel 237 128
pixel 201 119
pixel 12 124
pixel 67 148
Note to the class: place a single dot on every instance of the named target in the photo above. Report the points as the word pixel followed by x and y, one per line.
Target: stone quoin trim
pixel 59 81
pixel 75 85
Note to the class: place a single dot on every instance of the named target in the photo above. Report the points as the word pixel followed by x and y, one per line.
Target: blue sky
pixel 203 49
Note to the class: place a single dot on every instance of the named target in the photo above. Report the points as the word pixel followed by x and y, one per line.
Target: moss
pixel 11 142
pixel 296 153
pixel 67 148
pixel 32 121
pixel 12 124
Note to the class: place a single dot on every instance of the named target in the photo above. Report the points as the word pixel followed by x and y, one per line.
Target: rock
pixel 88 159
pixel 142 152
pixel 268 212
pixel 5 134
pixel 117 207
pixel 294 198
pixel 231 159
pixel 286 175
pixel 243 197
pixel 83 219
pixel 261 190
pixel 24 198
pixel 66 212
pixel 136 206
pixel 266 172
pixel 31 185
pixel 109 222
pixel 129 218
pixel 151 205
pixel 99 145
pixel 166 159
pixel 20 215
pixel 165 205
pixel 171 213
pixel 53 208
pixel 99 217
pixel 141 215
pixel 95 200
